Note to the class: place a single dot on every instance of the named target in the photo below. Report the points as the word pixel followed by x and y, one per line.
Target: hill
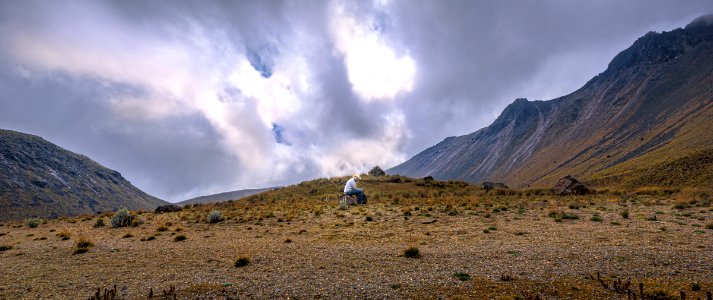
pixel 415 239
pixel 40 179
pixel 234 195
pixel 652 107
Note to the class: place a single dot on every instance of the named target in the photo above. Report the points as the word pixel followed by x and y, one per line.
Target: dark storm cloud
pixel 186 98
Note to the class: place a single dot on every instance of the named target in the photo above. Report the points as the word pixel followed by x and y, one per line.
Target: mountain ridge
pixel 225 196
pixel 653 102
pixel 41 179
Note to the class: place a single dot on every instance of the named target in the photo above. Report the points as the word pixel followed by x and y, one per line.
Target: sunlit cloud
pixel 375 71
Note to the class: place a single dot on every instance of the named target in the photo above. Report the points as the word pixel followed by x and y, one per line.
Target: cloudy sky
pixel 187 98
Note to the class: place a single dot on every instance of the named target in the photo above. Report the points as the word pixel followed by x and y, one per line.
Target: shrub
pixel 242 262
pixel 179 238
pixel 625 214
pixel 709 226
pixel 82 246
pixel 596 218
pixel 462 276
pixel 63 235
pixel 570 216
pixel 33 222
pixel 126 236
pixel 412 252
pixel 5 248
pixel 122 218
pixel 369 218
pixel 80 250
pixel 162 228
pixel 214 216
pixel 99 223
pixel 83 243
pixel 695 286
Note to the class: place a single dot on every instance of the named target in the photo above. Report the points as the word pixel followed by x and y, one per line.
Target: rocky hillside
pixel 651 109
pixel 40 179
pixel 234 195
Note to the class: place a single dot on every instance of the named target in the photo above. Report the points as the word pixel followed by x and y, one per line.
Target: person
pixel 351 189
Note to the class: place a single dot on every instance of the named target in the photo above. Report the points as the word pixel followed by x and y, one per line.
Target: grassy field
pixel 414 239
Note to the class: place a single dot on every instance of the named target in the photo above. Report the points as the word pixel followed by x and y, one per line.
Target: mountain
pixel 646 120
pixel 234 195
pixel 40 179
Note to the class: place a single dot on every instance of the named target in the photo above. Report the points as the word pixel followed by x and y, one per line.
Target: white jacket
pixel 351 184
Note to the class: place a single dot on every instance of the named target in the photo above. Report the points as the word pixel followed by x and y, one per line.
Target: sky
pixel 189 98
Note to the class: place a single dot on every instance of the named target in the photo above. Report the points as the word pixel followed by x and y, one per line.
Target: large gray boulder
pixel 569 185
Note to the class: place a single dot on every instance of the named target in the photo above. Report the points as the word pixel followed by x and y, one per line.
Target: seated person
pixel 351 189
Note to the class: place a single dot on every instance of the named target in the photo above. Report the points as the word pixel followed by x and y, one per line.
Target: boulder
pixel 494 185
pixel 167 208
pixel 377 171
pixel 569 185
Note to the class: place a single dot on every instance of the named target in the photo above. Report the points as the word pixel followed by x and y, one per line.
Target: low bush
pixel 122 218
pixel 82 246
pixel 242 262
pixel 64 235
pixel 33 222
pixel 99 223
pixel 596 218
pixel 462 276
pixel 215 216
pixel 179 238
pixel 412 252
pixel 5 248
pixel 625 214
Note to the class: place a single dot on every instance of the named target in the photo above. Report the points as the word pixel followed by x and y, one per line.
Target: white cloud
pixel 201 72
pixel 375 71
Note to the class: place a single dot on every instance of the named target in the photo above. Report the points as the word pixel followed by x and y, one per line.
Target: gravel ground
pixel 340 255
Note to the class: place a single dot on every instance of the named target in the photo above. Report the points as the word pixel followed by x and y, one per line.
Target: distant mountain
pixel 40 179
pixel 646 120
pixel 234 195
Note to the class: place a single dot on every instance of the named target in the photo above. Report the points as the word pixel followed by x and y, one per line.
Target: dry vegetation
pixel 414 239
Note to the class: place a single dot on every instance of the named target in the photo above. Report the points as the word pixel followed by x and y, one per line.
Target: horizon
pixel 197 98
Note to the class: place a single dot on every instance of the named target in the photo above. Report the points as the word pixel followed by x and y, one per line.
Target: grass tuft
pixel 179 238
pixel 412 252
pixel 242 262
pixel 82 246
pixel 462 276
pixel 99 223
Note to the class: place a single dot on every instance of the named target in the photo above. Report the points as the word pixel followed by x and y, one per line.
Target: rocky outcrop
pixel 569 185
pixel 376 172
pixel 167 208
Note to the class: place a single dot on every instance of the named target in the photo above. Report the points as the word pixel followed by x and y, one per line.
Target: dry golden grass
pixel 359 252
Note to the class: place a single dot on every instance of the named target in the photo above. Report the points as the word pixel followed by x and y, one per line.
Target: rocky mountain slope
pixel 234 195
pixel 651 109
pixel 40 179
